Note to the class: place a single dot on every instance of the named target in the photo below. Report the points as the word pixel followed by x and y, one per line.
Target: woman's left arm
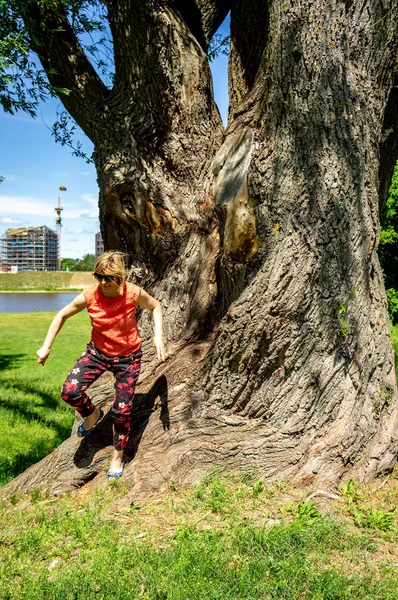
pixel 144 300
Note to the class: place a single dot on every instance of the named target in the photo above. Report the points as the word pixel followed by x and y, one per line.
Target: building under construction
pixel 30 249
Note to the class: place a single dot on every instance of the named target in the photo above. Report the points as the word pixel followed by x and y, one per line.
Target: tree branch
pixel 65 62
pixel 203 17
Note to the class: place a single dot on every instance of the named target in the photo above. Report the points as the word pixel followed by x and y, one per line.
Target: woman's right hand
pixel 42 354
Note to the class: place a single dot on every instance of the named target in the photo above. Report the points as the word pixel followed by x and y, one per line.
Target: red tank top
pixel 113 321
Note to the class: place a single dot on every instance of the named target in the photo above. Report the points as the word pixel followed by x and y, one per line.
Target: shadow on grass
pixel 29 388
pixel 11 361
pixel 143 407
pixel 12 467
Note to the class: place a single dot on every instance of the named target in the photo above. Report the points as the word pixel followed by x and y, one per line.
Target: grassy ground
pixel 227 538
pixel 33 418
pixel 46 281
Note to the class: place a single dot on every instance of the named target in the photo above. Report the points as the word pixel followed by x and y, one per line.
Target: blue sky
pixel 34 167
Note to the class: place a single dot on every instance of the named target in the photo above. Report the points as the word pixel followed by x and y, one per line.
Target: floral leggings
pixel 88 368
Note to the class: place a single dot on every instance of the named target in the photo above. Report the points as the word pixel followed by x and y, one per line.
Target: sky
pixel 34 166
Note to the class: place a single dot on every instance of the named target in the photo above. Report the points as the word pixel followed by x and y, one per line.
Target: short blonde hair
pixel 112 263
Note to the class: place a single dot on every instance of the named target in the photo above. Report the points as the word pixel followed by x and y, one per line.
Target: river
pixel 33 301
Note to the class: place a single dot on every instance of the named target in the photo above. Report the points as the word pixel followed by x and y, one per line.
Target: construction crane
pixel 58 224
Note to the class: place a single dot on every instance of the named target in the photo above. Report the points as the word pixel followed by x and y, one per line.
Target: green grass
pixel 45 280
pixel 224 539
pixel 33 418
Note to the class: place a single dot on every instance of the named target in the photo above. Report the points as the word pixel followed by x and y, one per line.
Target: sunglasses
pixel 101 277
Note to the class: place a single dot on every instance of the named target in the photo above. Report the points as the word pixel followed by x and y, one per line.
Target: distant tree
pixel 388 249
pixel 68 263
pixel 87 263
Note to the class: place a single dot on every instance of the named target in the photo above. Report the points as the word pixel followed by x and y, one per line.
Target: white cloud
pixel 10 177
pixel 85 231
pixel 85 173
pixel 24 205
pixel 10 220
pixel 89 215
pixel 89 198
pixel 28 206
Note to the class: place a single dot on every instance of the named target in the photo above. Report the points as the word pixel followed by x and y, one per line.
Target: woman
pixel 115 346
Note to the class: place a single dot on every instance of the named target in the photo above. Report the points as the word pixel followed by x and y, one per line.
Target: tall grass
pixel 33 418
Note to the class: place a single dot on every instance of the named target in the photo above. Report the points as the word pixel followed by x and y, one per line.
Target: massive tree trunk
pixel 261 239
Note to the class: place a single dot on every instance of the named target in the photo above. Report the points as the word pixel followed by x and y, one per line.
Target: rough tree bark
pixel 261 239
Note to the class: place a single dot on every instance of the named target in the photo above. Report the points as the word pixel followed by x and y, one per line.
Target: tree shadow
pixel 11 467
pixel 11 361
pixel 29 388
pixel 14 466
pixel 143 407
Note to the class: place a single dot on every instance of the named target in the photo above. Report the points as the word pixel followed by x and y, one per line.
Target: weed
pixel 173 485
pixel 345 327
pixel 374 518
pixel 350 490
pixel 247 477
pixel 307 513
pixel 35 494
pixel 258 487
pixel 382 400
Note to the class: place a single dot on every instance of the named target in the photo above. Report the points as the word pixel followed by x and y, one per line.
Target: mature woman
pixel 115 346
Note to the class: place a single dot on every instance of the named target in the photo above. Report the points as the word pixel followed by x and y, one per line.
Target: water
pixel 29 302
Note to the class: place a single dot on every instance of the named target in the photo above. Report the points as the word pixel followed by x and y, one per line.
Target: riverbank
pixel 45 281
pixel 40 291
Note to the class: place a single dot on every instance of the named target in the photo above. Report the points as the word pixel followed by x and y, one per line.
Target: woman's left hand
pixel 159 348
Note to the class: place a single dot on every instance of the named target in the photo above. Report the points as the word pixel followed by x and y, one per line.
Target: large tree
pixel 260 241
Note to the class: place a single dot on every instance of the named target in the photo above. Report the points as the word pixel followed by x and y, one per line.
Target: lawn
pixel 33 418
pixel 227 538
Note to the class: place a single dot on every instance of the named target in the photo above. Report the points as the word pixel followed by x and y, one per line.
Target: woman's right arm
pixel 76 306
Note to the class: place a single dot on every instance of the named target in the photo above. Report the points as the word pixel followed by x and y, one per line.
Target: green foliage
pixel 367 517
pixel 392 299
pixel 67 263
pixel 87 263
pixel 212 493
pixel 258 487
pixel 307 513
pixel 374 518
pixel 23 83
pixel 350 491
pixel 383 399
pixel 218 45
pixel 343 317
pixel 388 248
